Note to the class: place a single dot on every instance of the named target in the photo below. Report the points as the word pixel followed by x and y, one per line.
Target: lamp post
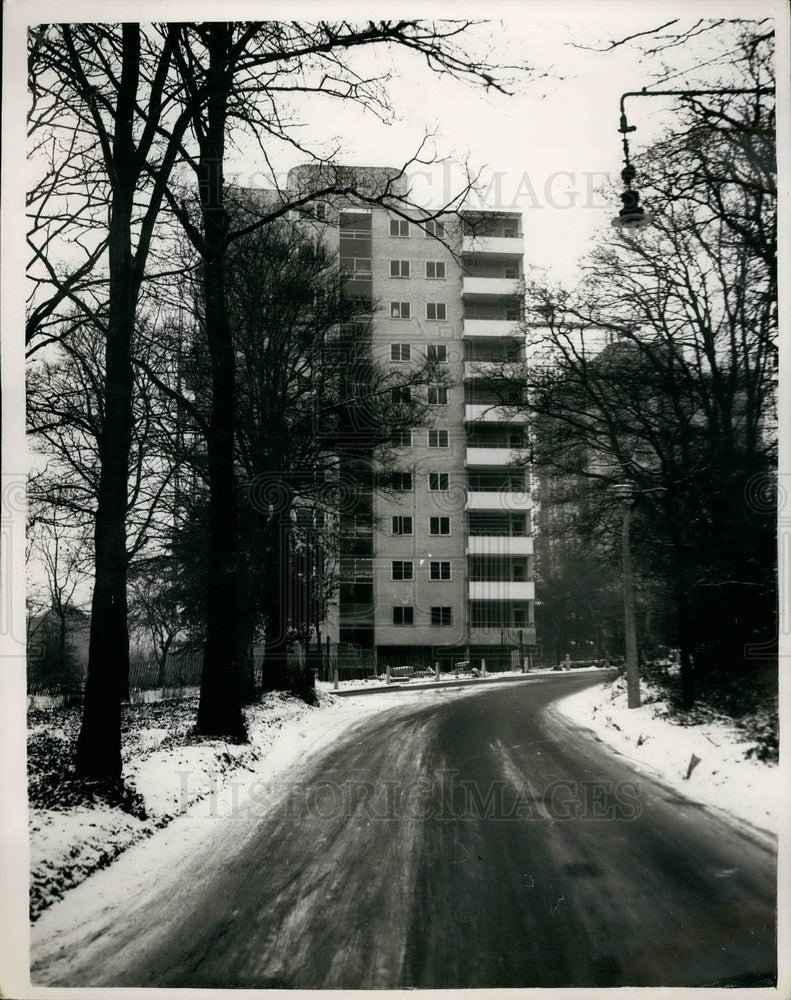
pixel 632 216
pixel 626 493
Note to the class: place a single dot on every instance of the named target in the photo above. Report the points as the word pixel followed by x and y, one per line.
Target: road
pixel 477 841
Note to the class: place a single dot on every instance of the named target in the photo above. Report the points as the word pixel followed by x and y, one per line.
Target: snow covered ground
pixel 710 762
pixel 169 774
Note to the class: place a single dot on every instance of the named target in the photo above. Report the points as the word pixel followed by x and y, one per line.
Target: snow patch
pixel 707 762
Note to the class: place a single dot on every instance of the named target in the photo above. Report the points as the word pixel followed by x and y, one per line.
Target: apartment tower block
pixel 440 566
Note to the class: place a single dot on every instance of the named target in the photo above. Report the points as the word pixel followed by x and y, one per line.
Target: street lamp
pixel 626 493
pixel 632 217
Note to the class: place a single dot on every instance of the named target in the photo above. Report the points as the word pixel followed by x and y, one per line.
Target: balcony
pixel 489 327
pixel 492 456
pixel 505 500
pixel 502 590
pixel 359 614
pixel 494 414
pixel 499 545
pixel 495 636
pixel 501 287
pixel 500 246
pixel 492 369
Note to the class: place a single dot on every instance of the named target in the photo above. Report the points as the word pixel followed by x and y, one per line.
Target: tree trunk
pixel 275 671
pixel 220 709
pixel 107 683
pixel 685 642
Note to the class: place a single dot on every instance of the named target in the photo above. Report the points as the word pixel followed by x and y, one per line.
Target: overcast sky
pixel 547 149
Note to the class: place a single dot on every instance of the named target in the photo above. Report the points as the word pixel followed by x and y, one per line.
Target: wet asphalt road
pixel 478 841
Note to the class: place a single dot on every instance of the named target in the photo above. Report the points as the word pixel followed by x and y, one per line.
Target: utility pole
pixel 630 632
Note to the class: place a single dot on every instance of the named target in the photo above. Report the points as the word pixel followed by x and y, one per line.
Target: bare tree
pixel 244 69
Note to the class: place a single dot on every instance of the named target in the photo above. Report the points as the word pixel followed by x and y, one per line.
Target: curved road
pixel 473 841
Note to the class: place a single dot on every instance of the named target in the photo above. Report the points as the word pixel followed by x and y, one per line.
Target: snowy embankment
pixel 166 770
pixel 712 761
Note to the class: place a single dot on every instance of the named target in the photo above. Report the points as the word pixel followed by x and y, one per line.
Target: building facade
pixel 439 567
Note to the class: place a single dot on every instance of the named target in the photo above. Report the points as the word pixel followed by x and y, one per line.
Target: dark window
pixel 403 615
pixel 402 525
pixel 437 352
pixel 400 352
pixel 438 482
pixel 434 228
pixel 439 525
pixel 402 481
pixel 437 395
pixel 401 438
pixel 439 570
pixel 401 394
pixel 435 268
pixel 399 268
pixel 441 616
pixel 401 569
pixel 399 227
pixel 436 310
pixel 399 310
pixel 438 439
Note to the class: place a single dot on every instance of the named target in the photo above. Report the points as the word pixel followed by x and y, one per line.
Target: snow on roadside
pixel 707 762
pixel 170 773
pixel 164 775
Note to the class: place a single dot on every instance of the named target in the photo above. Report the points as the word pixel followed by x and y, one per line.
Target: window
pixel 402 481
pixel 399 310
pixel 440 616
pixel 438 439
pixel 438 525
pixel 402 525
pixel 401 394
pixel 434 228
pixel 509 230
pixel 401 438
pixel 435 268
pixel 356 266
pixel 399 227
pixel 399 268
pixel 401 569
pixel 512 313
pixel 520 618
pixel 438 482
pixel 320 211
pixel 436 311
pixel 400 352
pixel 439 570
pixel 404 615
pixel 511 271
pixel 437 395
pixel 438 353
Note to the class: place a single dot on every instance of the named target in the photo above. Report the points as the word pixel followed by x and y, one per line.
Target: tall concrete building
pixel 439 566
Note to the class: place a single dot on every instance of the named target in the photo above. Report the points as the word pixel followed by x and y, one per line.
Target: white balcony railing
pixel 504 246
pixel 492 456
pixel 490 327
pixel 501 287
pixel 492 369
pixel 505 500
pixel 492 413
pixel 499 545
pixel 502 590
